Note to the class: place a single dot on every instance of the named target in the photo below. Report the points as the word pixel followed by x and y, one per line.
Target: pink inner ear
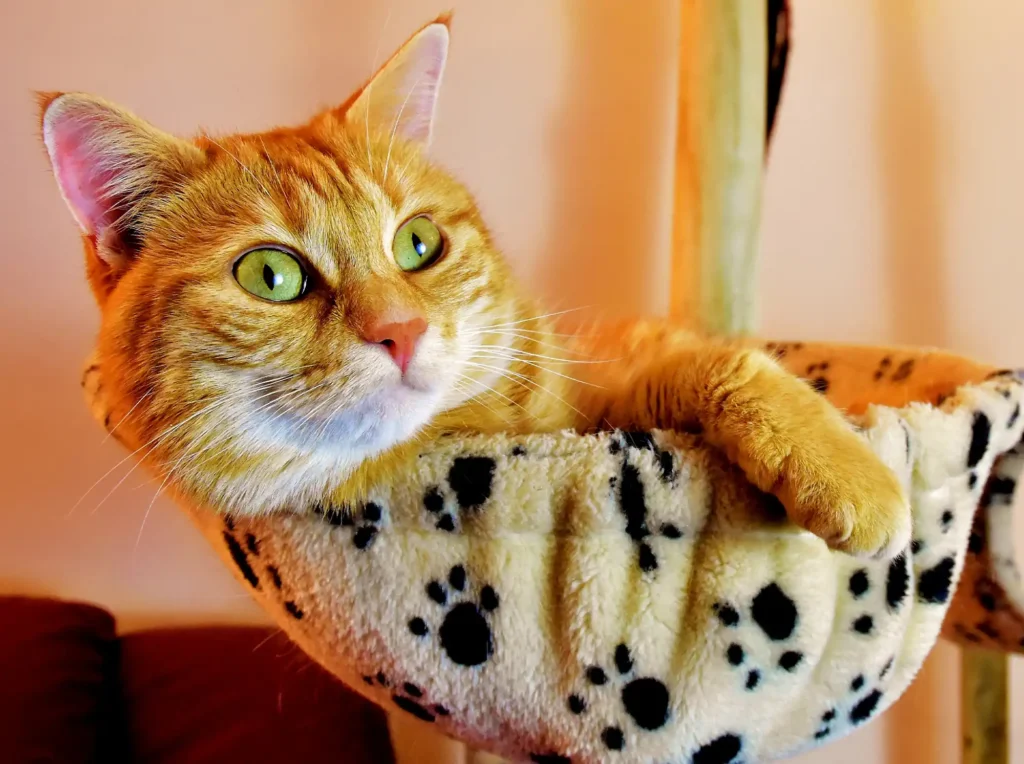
pixel 402 96
pixel 86 185
pixel 422 79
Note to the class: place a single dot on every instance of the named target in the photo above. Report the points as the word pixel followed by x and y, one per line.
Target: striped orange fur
pixel 255 406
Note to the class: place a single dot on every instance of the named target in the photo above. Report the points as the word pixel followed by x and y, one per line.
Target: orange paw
pixel 834 486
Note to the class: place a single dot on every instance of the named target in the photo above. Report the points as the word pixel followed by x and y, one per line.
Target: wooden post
pixel 984 705
pixel 719 164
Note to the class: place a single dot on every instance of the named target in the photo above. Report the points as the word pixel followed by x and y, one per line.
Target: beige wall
pixel 891 214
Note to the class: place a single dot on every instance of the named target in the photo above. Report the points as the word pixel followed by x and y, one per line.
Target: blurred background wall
pixel 892 214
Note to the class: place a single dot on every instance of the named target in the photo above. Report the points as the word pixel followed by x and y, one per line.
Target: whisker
pixel 107 474
pixel 312 413
pixel 533 386
pixel 522 379
pixel 145 516
pixel 239 161
pixel 110 432
pixel 270 636
pixel 369 88
pixel 273 167
pixel 163 484
pixel 534 318
pixel 394 128
pixel 524 353
pixel 135 466
pixel 224 437
pixel 489 391
pixel 262 384
pixel 321 431
pixel 541 332
pixel 514 335
pixel 315 411
pixel 546 369
pixel 162 437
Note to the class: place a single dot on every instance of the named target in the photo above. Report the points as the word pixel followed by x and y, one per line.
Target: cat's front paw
pixel 834 486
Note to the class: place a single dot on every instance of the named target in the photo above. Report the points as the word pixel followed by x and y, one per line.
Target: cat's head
pixel 278 307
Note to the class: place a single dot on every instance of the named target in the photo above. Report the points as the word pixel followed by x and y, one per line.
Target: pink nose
pixel 398 338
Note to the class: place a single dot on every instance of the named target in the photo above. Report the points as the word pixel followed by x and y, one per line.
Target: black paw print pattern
pixel 632 497
pixel 895 372
pixel 241 555
pixel 988 594
pixel 816 376
pixel 934 584
pixel 776 615
pixel 408 697
pixel 364 521
pixel 967 635
pixel 861 707
pixel 897 586
pixel 465 631
pixel 644 441
pixel 724 749
pixel 644 699
pixel 781 349
pixel 471 479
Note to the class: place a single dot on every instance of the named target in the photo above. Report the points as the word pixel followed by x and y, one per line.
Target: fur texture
pixel 253 406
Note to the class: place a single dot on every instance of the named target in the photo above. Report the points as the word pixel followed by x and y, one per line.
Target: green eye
pixel 271 274
pixel 418 244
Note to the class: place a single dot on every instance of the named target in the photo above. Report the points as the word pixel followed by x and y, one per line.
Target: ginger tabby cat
pixel 287 315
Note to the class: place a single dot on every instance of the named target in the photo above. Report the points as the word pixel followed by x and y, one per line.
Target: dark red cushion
pixel 241 694
pixel 58 667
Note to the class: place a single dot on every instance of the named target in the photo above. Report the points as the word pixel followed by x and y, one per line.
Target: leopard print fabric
pixel 569 598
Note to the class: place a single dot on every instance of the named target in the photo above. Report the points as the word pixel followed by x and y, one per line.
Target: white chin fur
pixel 307 459
pixel 381 421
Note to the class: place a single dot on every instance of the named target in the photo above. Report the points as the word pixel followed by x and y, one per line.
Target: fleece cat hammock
pixel 569 597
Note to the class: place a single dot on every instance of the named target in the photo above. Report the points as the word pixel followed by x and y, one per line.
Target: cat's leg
pixel 787 439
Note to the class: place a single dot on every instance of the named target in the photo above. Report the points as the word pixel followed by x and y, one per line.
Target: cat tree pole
pixel 720 143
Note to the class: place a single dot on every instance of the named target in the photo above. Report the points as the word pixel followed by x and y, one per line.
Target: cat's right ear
pixel 111 167
pixel 401 98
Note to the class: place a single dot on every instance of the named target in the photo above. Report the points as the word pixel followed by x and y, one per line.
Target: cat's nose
pixel 399 338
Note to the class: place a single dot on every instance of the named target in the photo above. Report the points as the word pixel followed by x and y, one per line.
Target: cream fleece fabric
pixel 629 597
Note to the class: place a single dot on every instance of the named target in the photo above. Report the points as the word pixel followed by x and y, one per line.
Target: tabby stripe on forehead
pixel 312 176
pixel 338 171
pixel 293 206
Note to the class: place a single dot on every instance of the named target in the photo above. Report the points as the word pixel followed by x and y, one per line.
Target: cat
pixel 290 315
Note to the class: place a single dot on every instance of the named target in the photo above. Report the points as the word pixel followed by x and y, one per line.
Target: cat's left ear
pixel 401 98
pixel 111 167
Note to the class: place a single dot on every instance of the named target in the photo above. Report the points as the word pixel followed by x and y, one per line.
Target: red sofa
pixel 72 690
